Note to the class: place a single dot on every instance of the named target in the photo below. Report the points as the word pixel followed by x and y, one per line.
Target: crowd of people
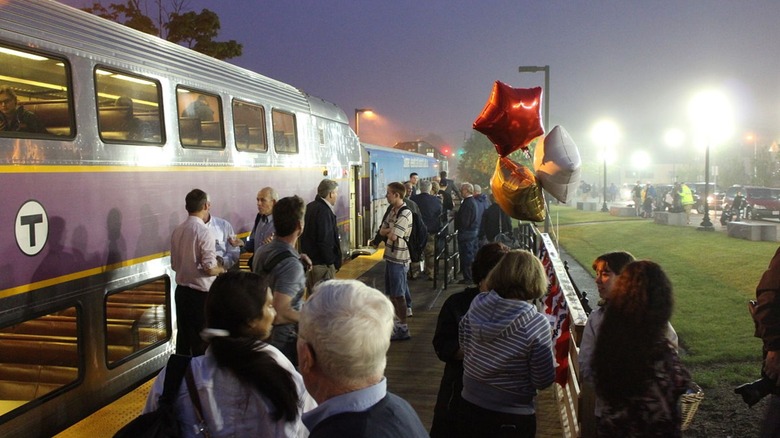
pixel 288 350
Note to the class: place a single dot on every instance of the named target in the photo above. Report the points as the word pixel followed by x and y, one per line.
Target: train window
pixel 285 136
pixel 128 108
pixel 34 95
pixel 38 356
pixel 249 127
pixel 137 318
pixel 200 119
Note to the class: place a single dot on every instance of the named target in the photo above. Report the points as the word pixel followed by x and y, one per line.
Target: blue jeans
pixel 396 284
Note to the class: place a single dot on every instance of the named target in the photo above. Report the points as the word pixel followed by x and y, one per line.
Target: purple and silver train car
pixel 105 129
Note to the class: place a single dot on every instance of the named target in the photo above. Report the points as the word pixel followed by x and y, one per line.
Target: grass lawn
pixel 713 276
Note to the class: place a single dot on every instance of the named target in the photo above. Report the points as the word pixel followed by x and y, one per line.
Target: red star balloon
pixel 511 117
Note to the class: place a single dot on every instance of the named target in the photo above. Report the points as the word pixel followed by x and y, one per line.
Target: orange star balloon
pixel 517 191
pixel 511 117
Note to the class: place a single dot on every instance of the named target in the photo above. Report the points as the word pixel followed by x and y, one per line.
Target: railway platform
pixel 413 370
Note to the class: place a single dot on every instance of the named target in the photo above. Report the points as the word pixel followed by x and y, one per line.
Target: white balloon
pixel 557 164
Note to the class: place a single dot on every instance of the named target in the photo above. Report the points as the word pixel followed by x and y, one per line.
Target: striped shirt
pixel 508 354
pixel 400 221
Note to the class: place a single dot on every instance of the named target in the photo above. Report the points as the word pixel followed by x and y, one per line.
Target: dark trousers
pixel 477 422
pixel 190 319
pixel 467 248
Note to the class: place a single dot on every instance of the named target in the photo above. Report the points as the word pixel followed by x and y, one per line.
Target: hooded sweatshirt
pixel 508 354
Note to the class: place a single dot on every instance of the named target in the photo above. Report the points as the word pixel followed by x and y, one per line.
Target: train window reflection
pixel 200 119
pixel 34 97
pixel 128 108
pixel 285 136
pixel 136 319
pixel 249 127
pixel 38 356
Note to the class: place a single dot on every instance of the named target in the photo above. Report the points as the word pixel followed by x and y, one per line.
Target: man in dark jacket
pixel 767 317
pixel 467 224
pixel 320 238
pixel 430 211
pixel 494 221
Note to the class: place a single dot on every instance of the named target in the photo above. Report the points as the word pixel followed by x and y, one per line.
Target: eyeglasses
pixel 8 101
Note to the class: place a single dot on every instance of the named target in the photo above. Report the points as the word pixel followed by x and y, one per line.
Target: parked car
pixel 715 196
pixel 761 202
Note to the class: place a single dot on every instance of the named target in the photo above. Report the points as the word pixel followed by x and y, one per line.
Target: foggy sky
pixel 427 67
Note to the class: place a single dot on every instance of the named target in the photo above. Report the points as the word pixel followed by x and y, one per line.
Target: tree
pixel 196 31
pixel 128 14
pixel 478 161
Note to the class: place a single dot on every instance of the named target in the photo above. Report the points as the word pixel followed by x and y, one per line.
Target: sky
pixel 426 67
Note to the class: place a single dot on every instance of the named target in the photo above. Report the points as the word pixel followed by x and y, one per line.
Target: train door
pixel 355 216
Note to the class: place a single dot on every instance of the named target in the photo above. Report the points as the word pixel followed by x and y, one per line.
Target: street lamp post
pixel 755 157
pixel 546 104
pixel 358 111
pixel 706 224
pixel 546 97
pixel 605 133
pixel 710 112
pixel 604 207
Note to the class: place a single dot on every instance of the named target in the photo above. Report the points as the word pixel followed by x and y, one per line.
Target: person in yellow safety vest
pixel 686 199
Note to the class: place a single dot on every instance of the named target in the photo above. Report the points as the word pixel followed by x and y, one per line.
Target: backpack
pixel 161 423
pixel 418 238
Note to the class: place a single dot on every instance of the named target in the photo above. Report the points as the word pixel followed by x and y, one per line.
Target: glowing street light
pixel 711 115
pixel 607 134
pixel 358 111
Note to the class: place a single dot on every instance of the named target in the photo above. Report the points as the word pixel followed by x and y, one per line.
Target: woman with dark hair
pixel 246 387
pixel 445 341
pixel 607 267
pixel 507 351
pixel 639 377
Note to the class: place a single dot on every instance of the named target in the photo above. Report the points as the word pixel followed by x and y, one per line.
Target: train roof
pixel 59 25
pixel 370 147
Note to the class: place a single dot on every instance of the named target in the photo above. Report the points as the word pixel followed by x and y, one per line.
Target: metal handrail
pixel 443 252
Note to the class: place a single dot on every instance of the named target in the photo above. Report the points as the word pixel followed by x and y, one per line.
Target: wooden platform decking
pixel 413 370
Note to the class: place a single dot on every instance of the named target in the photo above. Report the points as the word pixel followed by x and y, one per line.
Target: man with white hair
pixel 430 212
pixel 467 223
pixel 343 337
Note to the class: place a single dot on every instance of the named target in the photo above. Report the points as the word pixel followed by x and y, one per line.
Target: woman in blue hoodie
pixel 507 347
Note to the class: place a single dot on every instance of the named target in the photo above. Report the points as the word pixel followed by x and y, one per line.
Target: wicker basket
pixel 689 404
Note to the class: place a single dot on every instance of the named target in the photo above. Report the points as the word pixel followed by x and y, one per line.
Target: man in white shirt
pixel 194 258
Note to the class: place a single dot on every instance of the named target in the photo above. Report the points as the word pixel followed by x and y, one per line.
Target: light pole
pixel 358 111
pixel 710 112
pixel 755 157
pixel 607 134
pixel 546 97
pixel 546 104
pixel 674 138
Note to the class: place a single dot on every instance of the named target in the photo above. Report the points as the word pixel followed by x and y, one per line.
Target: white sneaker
pixel 400 333
pixel 409 311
